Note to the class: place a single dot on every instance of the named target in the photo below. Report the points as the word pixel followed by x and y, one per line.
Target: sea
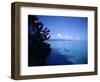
pixel 68 52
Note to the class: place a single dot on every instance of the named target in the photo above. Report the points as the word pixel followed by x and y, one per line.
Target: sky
pixel 63 27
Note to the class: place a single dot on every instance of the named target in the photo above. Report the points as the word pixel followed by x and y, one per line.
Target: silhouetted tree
pixel 39 49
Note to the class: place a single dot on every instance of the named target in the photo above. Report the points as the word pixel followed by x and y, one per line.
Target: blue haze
pixel 67 51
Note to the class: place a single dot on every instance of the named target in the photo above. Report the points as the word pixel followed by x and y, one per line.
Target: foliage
pixel 39 49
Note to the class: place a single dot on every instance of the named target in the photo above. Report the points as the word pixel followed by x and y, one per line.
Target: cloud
pixel 59 35
pixel 66 37
pixel 77 38
pixel 70 37
pixel 53 37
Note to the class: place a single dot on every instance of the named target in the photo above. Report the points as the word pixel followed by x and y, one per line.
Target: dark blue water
pixel 68 52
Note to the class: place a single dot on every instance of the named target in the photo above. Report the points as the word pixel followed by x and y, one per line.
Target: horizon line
pixel 60 40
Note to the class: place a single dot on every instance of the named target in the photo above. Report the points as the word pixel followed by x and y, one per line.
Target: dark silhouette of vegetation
pixel 38 48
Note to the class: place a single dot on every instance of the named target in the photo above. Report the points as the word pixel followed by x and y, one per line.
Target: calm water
pixel 68 52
